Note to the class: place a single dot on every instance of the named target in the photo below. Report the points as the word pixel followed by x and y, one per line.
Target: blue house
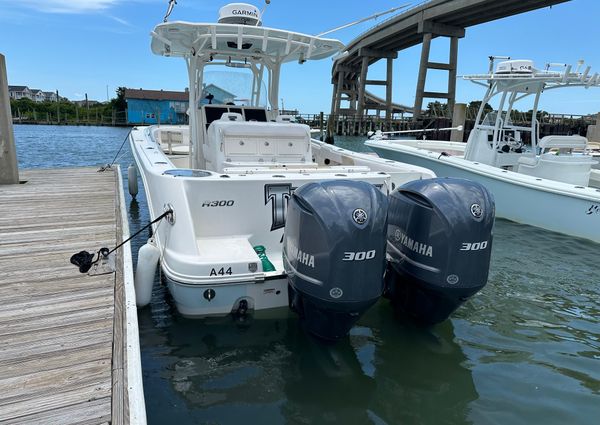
pixel 156 106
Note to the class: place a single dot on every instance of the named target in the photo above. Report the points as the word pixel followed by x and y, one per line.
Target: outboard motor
pixel 439 246
pixel 334 253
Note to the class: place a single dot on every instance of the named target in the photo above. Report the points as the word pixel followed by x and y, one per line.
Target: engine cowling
pixel 439 245
pixel 334 253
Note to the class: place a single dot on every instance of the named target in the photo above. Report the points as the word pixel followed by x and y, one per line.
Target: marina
pixel 522 351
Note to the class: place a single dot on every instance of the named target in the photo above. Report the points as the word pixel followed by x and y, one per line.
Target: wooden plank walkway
pixel 63 334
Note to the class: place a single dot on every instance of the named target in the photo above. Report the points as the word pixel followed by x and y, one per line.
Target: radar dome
pixel 240 13
pixel 518 66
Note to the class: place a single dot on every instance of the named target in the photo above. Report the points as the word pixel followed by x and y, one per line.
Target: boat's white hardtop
pixel 185 39
pixel 525 73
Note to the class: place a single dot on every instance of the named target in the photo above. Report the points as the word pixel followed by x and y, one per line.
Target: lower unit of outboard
pixel 334 253
pixel 439 245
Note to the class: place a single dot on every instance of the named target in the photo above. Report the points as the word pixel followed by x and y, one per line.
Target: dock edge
pixel 135 399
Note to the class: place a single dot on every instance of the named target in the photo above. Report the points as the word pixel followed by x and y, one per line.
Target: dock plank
pixel 89 413
pixel 61 332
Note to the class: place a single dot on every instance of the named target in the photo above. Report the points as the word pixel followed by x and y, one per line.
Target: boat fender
pixel 132 180
pixel 148 256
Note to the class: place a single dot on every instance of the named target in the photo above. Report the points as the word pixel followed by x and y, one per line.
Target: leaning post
pixel 9 170
pixel 321 123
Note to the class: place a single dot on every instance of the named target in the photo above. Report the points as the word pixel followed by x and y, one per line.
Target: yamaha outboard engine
pixel 439 246
pixel 334 253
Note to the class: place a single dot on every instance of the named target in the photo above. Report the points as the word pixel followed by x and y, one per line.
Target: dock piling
pixel 9 170
pixel 459 114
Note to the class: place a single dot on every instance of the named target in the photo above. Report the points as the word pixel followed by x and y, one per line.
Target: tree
pixel 437 109
pixel 119 104
pixel 473 108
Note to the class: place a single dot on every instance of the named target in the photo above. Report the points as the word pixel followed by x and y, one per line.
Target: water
pixel 525 350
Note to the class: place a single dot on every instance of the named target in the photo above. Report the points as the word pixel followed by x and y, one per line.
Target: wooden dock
pixel 69 349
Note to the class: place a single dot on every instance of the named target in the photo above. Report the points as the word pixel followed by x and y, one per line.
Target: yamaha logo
pixel 476 210
pixel 336 293
pixel 359 216
pixel 452 279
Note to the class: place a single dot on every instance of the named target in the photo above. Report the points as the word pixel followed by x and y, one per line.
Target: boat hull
pixel 201 300
pixel 555 206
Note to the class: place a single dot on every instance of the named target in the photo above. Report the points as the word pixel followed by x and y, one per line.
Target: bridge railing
pixel 383 21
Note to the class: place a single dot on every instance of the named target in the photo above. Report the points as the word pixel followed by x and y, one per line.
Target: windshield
pixel 490 119
pixel 232 88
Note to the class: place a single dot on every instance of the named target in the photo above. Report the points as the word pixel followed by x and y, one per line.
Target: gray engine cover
pixel 440 232
pixel 334 243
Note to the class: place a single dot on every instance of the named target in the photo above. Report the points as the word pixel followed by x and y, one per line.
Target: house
pixel 156 106
pixel 37 95
pixel 50 96
pixel 19 92
pixel 85 103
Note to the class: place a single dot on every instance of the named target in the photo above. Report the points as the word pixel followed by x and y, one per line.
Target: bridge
pixel 435 18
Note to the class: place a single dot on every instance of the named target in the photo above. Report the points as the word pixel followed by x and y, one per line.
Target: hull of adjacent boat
pixel 555 206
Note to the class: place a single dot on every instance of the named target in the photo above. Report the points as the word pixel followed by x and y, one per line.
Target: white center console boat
pixel 229 176
pixel 545 181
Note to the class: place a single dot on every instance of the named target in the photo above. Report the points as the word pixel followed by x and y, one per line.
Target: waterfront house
pixel 156 106
pixel 50 96
pixel 19 92
pixel 37 95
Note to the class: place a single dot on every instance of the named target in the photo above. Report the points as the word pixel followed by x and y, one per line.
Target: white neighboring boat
pixel 544 182
pixel 229 176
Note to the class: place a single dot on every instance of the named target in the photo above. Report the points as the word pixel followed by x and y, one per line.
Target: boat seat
pixel 573 169
pixel 528 160
pixel 231 116
pixel 174 142
pixel 229 166
pixel 562 142
pixel 307 168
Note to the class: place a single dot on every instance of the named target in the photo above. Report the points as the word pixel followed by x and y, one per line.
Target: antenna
pixel 377 15
pixel 262 12
pixel 172 4
pixel 493 58
pixel 555 65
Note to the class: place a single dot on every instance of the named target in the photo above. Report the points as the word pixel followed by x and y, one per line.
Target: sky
pixel 95 46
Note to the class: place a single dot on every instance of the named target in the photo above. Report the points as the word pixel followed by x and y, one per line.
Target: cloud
pixel 68 6
pixel 121 21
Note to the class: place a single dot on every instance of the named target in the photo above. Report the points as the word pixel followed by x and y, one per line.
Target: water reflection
pixel 387 371
pixel 422 374
pixel 533 333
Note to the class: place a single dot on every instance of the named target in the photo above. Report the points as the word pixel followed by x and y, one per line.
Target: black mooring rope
pixel 108 166
pixel 85 260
